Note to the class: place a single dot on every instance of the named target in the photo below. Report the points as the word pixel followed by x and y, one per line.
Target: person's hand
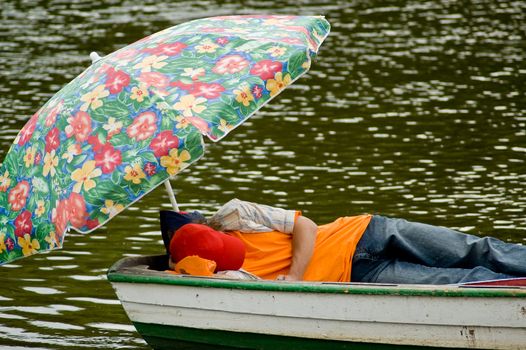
pixel 287 278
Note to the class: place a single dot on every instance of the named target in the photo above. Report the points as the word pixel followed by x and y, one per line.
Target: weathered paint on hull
pixel 267 314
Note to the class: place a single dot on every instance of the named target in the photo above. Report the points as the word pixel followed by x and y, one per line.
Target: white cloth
pixel 248 217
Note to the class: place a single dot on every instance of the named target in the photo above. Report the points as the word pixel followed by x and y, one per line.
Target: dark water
pixel 415 109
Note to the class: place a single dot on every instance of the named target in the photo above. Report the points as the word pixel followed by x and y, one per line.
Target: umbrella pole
pixel 171 195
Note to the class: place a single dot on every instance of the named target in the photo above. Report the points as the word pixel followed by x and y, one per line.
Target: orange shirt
pixel 269 254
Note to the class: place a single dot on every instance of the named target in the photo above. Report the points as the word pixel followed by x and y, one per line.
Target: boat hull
pixel 168 309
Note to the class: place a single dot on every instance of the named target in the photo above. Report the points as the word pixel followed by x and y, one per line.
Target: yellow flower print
pixel 2 242
pixel 51 239
pixel 206 47
pixel 182 122
pixel 278 83
pixel 224 126
pixel 306 65
pixel 113 127
pixel 150 62
pixel 138 93
pixel 50 162
pixel 193 73
pixel 188 104
pixel 72 151
pixel 29 246
pixel 93 99
pixel 174 162
pixel 84 176
pixel 5 181
pixel 276 51
pixel 41 208
pixel 29 157
pixel 244 95
pixel 134 174
pixel 111 209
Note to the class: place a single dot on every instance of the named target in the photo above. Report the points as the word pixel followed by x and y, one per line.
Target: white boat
pixel 177 311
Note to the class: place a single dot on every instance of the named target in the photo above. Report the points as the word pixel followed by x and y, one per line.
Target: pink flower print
pixel 126 55
pixel 23 224
pixel 163 142
pixel 143 126
pixel 266 69
pixel 293 41
pixel 108 158
pixel 77 210
pixel 10 243
pixel 150 168
pixel 60 216
pixel 167 49
pixel 257 91
pixel 38 158
pixel 27 130
pixel 157 80
pixel 116 81
pixel 230 64
pixel 51 117
pixel 199 123
pixel 18 195
pixel 52 140
pixel 206 90
pixel 222 41
pixel 79 126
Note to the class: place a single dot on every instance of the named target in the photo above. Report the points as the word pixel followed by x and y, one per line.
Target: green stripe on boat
pixel 162 337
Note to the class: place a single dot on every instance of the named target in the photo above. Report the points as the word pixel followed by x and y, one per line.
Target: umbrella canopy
pixel 136 117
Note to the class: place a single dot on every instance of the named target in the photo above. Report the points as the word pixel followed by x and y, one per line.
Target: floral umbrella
pixel 136 117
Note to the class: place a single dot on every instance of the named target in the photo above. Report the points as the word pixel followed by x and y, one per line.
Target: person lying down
pixel 277 244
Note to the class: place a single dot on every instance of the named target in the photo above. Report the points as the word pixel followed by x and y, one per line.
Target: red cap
pixel 195 239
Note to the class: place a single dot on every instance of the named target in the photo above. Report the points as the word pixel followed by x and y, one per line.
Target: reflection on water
pixel 413 109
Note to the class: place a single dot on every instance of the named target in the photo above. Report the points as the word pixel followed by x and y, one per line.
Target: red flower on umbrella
pixel 143 126
pixel 257 91
pixel 60 216
pixel 52 139
pixel 154 79
pixel 79 126
pixel 18 195
pixel 23 224
pixel 150 169
pixel 167 49
pixel 266 69
pixel 108 158
pixel 116 80
pixel 77 210
pixel 163 143
pixel 205 90
pixel 92 223
pixel 27 130
pixel 94 141
pixel 230 64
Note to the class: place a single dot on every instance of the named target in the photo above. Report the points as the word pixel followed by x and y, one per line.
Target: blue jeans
pixel 399 251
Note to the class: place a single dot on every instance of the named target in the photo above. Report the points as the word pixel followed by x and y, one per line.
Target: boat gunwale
pixel 135 270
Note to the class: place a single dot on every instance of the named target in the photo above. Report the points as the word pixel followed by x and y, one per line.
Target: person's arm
pixel 303 240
